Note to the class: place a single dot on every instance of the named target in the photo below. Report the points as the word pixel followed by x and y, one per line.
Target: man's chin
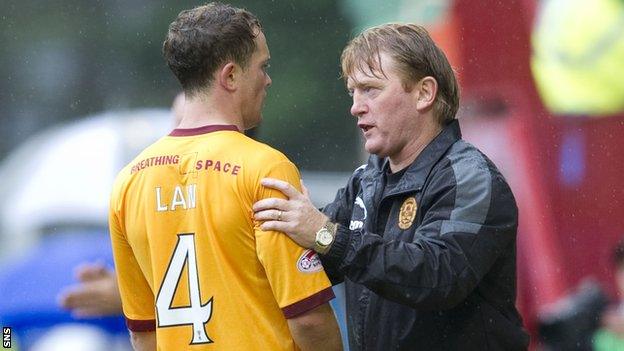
pixel 372 149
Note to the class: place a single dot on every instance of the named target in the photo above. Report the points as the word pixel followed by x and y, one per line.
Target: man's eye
pixel 350 92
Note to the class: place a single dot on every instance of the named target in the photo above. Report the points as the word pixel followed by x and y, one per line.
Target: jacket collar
pixel 417 172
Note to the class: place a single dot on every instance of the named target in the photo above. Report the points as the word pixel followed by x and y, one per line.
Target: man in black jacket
pixel 424 235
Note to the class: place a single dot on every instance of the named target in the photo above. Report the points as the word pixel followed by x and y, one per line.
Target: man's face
pixel 255 81
pixel 385 112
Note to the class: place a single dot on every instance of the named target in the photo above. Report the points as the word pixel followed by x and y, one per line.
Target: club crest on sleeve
pixel 309 262
pixel 407 213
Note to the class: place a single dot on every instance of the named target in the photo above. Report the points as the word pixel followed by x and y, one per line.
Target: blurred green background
pixel 62 60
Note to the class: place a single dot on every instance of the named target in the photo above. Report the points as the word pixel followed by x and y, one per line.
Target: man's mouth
pixel 365 127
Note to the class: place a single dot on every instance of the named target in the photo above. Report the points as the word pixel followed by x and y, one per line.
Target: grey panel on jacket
pixel 473 192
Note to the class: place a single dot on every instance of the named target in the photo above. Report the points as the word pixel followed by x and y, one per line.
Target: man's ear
pixel 427 90
pixel 227 76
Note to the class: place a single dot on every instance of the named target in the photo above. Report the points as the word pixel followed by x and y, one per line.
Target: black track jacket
pixel 431 264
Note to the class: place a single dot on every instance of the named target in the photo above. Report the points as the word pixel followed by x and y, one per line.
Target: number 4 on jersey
pixel 196 314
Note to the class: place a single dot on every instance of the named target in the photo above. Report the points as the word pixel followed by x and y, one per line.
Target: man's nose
pixel 358 108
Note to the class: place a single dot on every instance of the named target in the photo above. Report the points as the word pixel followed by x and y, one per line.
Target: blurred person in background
pixel 571 322
pixel 424 235
pixel 578 50
pixel 611 335
pixel 186 201
pixel 97 292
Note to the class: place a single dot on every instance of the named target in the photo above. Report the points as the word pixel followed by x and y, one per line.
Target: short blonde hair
pixel 416 56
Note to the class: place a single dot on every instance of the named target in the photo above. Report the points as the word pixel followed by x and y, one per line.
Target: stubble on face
pixel 256 83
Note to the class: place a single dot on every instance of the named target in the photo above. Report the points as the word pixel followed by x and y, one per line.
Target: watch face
pixel 325 238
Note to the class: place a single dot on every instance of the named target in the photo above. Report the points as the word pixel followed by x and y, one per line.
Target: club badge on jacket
pixel 407 213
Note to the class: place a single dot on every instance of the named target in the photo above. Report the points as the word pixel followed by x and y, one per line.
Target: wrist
pixel 325 237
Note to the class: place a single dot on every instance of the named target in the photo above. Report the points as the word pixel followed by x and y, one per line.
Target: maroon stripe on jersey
pixel 309 303
pixel 202 130
pixel 141 325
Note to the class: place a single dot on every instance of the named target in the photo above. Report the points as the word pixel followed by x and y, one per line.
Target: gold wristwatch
pixel 325 237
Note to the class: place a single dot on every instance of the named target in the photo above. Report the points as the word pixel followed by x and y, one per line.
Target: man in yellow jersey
pixel 195 271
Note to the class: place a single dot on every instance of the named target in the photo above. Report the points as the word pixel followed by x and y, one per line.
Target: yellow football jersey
pixel 191 262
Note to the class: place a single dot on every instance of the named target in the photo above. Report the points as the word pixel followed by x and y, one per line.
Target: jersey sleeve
pixel 295 274
pixel 136 295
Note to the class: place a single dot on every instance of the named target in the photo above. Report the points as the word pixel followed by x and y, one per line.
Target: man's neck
pixel 204 110
pixel 410 152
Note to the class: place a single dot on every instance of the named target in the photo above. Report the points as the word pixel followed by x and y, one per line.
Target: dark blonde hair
pixel 415 55
pixel 203 38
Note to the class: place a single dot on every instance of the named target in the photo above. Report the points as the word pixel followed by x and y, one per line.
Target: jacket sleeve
pixel 339 211
pixel 469 222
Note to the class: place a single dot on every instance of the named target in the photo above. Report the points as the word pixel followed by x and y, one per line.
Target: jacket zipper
pixel 378 198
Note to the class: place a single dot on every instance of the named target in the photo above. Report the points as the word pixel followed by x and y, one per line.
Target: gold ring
pixel 279 215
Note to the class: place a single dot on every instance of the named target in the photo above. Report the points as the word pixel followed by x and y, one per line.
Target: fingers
pixel 81 307
pixel 64 300
pixel 282 186
pixel 272 203
pixel 90 271
pixel 89 301
pixel 275 226
pixel 270 215
pixel 75 297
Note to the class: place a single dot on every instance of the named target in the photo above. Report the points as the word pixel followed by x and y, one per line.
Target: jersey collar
pixel 202 130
